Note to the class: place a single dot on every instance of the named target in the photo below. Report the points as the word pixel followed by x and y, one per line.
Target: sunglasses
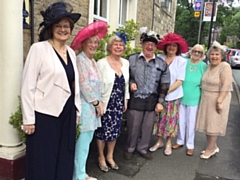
pixel 199 52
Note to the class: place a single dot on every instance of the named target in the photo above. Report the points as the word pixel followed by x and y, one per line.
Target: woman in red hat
pixel 50 98
pixel 172 45
pixel 88 40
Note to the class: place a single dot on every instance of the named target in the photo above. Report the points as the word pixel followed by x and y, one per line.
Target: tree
pixel 186 25
pixel 231 25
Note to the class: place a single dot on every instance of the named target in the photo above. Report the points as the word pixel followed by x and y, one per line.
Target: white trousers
pixel 187 122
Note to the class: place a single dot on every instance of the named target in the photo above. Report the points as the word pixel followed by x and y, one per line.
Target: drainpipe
pixel 153 15
pixel 32 21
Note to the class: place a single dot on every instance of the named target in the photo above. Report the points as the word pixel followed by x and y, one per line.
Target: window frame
pixel 120 23
pixel 98 16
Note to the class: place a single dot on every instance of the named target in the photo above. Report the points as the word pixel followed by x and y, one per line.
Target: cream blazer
pixel 108 75
pixel 45 85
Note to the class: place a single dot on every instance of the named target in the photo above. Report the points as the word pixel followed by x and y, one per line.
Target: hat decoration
pixel 173 38
pixel 55 12
pixel 219 46
pixel 123 36
pixel 148 36
pixel 97 28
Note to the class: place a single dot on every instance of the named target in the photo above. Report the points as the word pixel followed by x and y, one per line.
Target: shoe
pixel 90 178
pixel 212 154
pixel 103 168
pixel 217 150
pixel 113 166
pixel 168 153
pixel 128 155
pixel 146 156
pixel 190 152
pixel 177 146
pixel 156 147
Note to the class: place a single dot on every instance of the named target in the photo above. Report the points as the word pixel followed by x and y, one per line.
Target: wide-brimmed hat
pixel 148 36
pixel 55 12
pixel 173 38
pixel 98 28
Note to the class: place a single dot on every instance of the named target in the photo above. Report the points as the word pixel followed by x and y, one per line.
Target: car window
pixel 238 53
pixel 233 53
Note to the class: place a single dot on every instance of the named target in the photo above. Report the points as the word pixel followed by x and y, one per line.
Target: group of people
pixel 61 91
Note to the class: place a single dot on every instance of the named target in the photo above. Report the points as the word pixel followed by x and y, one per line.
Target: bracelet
pixel 96 105
pixel 161 100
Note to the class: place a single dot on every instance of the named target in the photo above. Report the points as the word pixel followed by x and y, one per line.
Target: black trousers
pixel 50 150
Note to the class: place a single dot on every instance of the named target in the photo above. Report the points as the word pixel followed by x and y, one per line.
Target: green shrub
pixel 16 121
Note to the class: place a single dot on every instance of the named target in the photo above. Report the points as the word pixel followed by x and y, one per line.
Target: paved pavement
pixel 178 166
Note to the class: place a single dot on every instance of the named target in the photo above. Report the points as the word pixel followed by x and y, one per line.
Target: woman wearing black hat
pixel 50 98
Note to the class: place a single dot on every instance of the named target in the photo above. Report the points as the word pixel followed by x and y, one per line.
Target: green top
pixel 192 82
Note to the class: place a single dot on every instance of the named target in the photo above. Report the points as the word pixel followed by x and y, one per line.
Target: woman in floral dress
pixel 167 125
pixel 115 72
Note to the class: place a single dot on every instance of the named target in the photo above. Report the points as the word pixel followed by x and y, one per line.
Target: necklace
pixel 61 50
pixel 193 68
pixel 115 64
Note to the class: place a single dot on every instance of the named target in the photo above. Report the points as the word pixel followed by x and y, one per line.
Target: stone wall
pixel 159 19
pixel 149 14
pixel 40 5
pixel 164 20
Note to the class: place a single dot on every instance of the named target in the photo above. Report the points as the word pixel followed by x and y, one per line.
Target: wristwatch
pixel 161 100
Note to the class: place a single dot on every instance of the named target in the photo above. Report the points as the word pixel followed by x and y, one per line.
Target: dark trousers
pixel 50 150
pixel 139 127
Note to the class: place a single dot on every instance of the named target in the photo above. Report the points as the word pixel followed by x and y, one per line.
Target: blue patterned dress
pixel 112 119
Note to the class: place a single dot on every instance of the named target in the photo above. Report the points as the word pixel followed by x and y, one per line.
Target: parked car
pixel 234 59
pixel 229 53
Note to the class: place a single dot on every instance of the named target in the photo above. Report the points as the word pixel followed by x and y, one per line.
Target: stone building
pixel 157 15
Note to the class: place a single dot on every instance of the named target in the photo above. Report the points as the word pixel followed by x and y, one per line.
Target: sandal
pixel 156 147
pixel 168 150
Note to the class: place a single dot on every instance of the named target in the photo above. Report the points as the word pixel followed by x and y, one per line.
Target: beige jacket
pixel 45 85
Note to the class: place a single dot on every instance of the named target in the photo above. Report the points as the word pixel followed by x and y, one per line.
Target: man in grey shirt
pixel 149 83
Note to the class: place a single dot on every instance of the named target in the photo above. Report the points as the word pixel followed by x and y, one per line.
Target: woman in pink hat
pixel 115 71
pixel 88 40
pixel 172 45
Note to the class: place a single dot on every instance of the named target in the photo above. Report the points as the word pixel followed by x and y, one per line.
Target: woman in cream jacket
pixel 115 72
pixel 50 98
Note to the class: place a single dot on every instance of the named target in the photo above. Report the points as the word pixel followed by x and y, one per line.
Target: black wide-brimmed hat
pixel 55 12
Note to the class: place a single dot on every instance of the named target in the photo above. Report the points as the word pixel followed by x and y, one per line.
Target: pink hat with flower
pixel 98 28
pixel 173 38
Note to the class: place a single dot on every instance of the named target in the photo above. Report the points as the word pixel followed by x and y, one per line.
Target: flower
pixel 123 36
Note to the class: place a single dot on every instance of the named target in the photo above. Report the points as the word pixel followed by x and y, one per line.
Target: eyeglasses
pixel 58 26
pixel 92 42
pixel 150 44
pixel 199 52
